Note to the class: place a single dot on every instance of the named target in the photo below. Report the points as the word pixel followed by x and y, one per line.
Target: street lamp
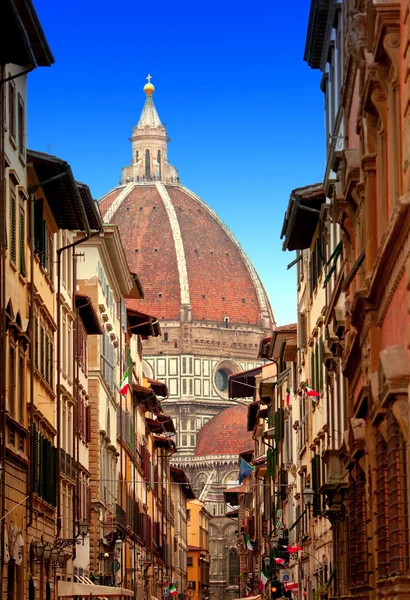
pixel 38 550
pixel 308 496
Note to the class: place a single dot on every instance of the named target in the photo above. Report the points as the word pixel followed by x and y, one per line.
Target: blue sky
pixel 242 109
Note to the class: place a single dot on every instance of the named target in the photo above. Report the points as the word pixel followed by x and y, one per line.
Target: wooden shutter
pixel 315 465
pixel 88 424
pixel 42 350
pixel 51 258
pixel 38 226
pixel 13 233
pixel 22 244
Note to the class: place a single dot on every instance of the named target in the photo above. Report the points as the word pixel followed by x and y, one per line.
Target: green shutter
pixel 13 233
pixel 38 226
pixel 321 365
pixel 51 378
pixel 42 350
pixel 35 461
pixel 22 244
pixel 47 368
pixel 312 368
pixel 279 425
pixel 51 258
pixel 36 342
pixel 316 386
pixel 315 475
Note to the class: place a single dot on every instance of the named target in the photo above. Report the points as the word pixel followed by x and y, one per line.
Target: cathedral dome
pixel 226 433
pixel 185 257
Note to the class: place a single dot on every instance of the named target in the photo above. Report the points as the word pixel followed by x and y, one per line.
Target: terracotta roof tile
pixel 225 433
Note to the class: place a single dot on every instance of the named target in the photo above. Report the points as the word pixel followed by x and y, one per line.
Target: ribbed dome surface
pixel 184 255
pixel 226 433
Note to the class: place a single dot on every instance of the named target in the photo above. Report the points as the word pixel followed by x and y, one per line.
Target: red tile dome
pixel 226 433
pixel 185 255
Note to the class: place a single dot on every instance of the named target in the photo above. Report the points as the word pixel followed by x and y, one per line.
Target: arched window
pixel 159 164
pixel 147 164
pixel 233 568
pixel 136 156
pixel 397 497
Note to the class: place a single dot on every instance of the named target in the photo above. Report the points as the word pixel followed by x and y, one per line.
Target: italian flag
pixel 124 385
pixel 262 581
pixel 247 541
pixel 311 393
pixel 292 549
pixel 173 590
pixel 287 396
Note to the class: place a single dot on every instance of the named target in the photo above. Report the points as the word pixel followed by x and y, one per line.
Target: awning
pixel 162 424
pixel 255 409
pixel 88 314
pixel 242 385
pixel 163 442
pixel 146 396
pixel 159 387
pixel 68 589
pixel 249 598
pixel 142 324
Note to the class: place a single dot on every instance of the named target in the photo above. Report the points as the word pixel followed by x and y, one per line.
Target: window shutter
pixel 38 226
pixel 47 369
pixel 42 350
pixel 315 465
pixel 36 342
pixel 35 463
pixel 22 245
pixel 45 260
pixel 88 424
pixel 51 377
pixel 51 258
pixel 13 240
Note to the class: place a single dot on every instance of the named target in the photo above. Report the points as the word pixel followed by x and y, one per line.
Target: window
pixel 42 351
pixel 21 127
pixel 147 164
pixel 221 380
pixel 159 163
pixel 192 440
pixel 12 381
pixel 165 336
pixel 12 110
pixel 190 561
pixel 397 497
pixel 382 506
pixel 233 568
pixel 183 440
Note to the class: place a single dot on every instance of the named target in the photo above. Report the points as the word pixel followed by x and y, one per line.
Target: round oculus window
pixel 221 380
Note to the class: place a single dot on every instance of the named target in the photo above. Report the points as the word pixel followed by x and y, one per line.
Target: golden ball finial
pixel 148 87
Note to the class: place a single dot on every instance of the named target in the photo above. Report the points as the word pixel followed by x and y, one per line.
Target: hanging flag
pixel 262 581
pixel 173 590
pixel 248 542
pixel 292 549
pixel 279 561
pixel 124 385
pixel 245 469
pixel 311 392
pixel 287 396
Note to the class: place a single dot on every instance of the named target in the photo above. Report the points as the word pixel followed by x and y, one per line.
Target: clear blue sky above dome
pixel 242 109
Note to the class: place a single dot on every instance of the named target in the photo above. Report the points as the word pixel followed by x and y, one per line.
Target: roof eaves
pixel 319 10
pixel 25 43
